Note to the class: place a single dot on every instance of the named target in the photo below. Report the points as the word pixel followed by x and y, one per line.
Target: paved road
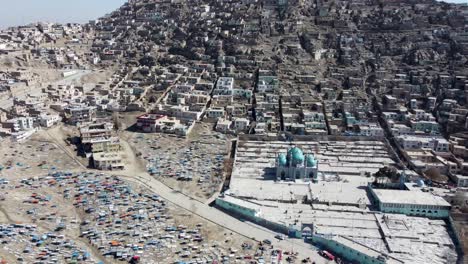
pixel 217 217
pixel 211 214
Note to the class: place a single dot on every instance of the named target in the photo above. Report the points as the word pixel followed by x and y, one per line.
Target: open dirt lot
pixel 193 166
pixel 70 213
pixel 89 217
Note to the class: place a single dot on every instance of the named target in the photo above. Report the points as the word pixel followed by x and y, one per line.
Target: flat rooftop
pixel 407 239
pixel 254 158
pixel 414 197
pixel 341 164
pixel 348 242
pixel 340 204
pixel 107 156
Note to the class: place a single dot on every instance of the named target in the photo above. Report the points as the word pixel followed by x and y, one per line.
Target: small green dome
pixel 282 161
pixel 311 161
pixel 296 155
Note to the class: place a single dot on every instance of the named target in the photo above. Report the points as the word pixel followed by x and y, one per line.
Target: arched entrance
pixel 283 176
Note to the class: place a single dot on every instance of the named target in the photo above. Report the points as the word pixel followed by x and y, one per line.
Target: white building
pixel 224 86
pixel 223 125
pixel 215 112
pixel 48 120
pixel 108 161
pixel 79 114
pixel 437 144
pixel 400 129
pixel 19 124
pixel 460 180
pixel 25 123
pixel 22 135
pixel 268 84
pixel 241 124
pixel 371 130
pixel 313 117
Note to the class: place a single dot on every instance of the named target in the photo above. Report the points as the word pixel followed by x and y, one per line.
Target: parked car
pixel 279 237
pixel 327 255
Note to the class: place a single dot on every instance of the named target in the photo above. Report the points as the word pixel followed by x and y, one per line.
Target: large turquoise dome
pixel 282 161
pixel 296 156
pixel 311 161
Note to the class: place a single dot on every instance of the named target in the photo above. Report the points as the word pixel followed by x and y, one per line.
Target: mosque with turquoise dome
pixel 294 165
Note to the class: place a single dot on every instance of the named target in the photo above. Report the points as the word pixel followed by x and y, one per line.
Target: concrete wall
pixel 312 138
pixel 414 211
pixel 234 208
pixel 456 239
pixel 344 252
pixel 250 215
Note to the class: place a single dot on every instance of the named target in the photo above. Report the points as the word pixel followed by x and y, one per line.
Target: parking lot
pixel 33 157
pixel 68 215
pixel 72 215
pixel 193 166
pixel 86 217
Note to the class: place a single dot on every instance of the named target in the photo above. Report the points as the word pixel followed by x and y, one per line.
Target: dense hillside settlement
pixel 252 131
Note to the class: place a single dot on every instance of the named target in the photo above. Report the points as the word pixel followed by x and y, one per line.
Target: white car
pixel 279 237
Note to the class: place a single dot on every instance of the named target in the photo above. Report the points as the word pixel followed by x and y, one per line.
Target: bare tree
pixel 386 174
pixel 435 175
pixel 116 121
pixel 228 165
pixel 461 199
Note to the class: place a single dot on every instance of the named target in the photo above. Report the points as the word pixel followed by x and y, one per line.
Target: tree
pixel 434 175
pixel 228 166
pixel 147 61
pixel 461 199
pixel 386 174
pixel 116 121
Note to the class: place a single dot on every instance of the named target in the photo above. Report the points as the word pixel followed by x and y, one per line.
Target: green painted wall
pixel 251 215
pixel 235 208
pixel 414 210
pixel 411 210
pixel 345 252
